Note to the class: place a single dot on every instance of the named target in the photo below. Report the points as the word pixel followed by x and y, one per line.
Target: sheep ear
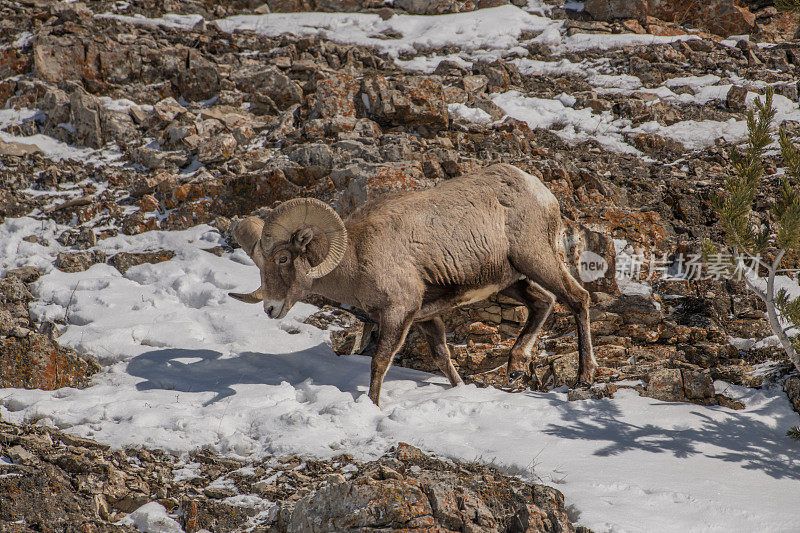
pixel 251 298
pixel 248 234
pixel 301 238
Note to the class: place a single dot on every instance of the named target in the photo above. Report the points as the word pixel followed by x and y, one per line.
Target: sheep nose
pixel 270 309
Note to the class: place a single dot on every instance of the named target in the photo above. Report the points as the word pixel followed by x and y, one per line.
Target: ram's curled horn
pixel 284 220
pixel 251 298
pixel 247 232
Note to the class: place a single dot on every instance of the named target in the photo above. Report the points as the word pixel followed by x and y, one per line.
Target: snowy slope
pixel 187 367
pixel 184 366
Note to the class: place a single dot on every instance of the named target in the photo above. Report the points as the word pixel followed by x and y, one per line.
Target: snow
pixel 471 114
pixel 602 41
pixel 496 29
pixel 23 39
pixel 578 124
pixel 121 104
pixel 169 20
pixel 186 367
pixel 486 34
pixel 692 81
pixel 490 34
pixel 53 148
pixel 622 81
pixel 151 518
pixel 534 66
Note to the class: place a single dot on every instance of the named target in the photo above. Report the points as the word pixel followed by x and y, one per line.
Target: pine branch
pixel 790 153
pixel 741 227
pixel 735 208
pixel 789 308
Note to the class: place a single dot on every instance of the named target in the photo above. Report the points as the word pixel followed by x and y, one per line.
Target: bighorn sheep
pixel 407 257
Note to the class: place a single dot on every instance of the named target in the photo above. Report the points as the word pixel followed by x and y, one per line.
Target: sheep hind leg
pixel 437 342
pixel 552 275
pixel 540 304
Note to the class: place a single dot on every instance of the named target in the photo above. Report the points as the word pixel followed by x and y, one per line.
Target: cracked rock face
pixel 50 479
pixel 29 358
pixel 418 492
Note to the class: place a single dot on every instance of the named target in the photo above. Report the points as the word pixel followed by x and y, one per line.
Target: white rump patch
pixel 470 297
pixel 538 189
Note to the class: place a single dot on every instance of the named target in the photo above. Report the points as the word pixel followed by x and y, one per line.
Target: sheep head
pixel 299 241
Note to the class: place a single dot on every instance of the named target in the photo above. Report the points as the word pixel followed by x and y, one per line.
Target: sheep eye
pixel 283 259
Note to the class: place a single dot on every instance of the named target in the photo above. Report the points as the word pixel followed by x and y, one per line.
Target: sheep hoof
pixel 514 376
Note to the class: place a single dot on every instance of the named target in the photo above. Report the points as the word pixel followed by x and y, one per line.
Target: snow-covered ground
pixel 503 32
pixel 187 367
pixel 184 366
pixel 482 35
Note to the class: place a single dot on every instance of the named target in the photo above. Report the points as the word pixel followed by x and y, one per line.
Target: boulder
pixel 565 369
pixel 349 334
pixel 37 362
pixel 55 60
pixel 633 309
pixel 604 322
pixel 269 87
pixel 199 81
pixel 592 258
pixel 666 385
pixel 428 7
pixel 78 261
pixel 614 9
pixel 122 261
pixel 420 101
pixel 118 125
pixel 56 103
pixel 153 158
pixel 411 100
pixel 363 503
pixel 216 149
pixel 335 103
pixel 697 386
pixel 26 274
pixel 677 385
pixel 293 6
pixel 736 98
pixel 316 159
pixel 361 182
pixel 85 118
pixel 723 17
pixel 16 149
pixel 707 354
pixel 412 491
pixel 165 111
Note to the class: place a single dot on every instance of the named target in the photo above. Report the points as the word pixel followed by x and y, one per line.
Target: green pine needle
pixel 794 432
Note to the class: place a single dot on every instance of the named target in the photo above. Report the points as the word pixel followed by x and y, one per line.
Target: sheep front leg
pixel 391 336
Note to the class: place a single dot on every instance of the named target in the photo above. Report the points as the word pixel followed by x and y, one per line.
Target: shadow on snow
pixel 207 371
pixel 739 437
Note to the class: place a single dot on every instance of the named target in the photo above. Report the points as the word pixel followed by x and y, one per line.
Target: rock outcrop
pixel 723 17
pixel 53 480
